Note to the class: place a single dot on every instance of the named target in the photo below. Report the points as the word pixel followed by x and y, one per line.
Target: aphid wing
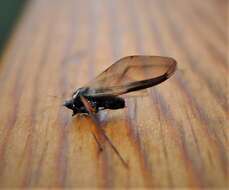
pixel 131 72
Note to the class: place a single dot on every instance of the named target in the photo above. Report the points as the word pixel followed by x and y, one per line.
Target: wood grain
pixel 177 136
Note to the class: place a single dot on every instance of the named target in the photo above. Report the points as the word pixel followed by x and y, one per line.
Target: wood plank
pixel 177 136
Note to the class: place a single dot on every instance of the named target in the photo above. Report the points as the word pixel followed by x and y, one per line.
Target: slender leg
pixel 97 141
pixel 100 131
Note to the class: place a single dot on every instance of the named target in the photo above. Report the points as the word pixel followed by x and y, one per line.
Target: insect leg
pixel 99 129
pixel 97 141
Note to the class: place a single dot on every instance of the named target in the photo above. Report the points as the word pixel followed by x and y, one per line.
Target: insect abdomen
pixel 115 103
pixel 110 102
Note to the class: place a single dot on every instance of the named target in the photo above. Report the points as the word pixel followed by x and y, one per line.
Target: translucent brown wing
pixel 132 73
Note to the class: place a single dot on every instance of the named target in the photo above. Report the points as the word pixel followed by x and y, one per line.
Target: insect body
pixel 97 102
pixel 128 74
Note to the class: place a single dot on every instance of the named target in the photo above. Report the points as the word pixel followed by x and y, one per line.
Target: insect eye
pixel 69 104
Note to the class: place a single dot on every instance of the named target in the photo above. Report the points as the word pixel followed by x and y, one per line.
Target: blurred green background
pixel 9 13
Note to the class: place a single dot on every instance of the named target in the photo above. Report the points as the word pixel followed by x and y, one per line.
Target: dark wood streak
pixel 165 152
pixel 194 165
pixel 62 164
pixel 156 102
pixel 194 137
pixel 38 170
pixel 221 148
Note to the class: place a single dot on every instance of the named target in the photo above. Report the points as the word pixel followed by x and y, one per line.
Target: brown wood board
pixel 176 136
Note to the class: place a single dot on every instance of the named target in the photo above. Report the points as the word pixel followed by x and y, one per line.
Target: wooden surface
pixel 177 136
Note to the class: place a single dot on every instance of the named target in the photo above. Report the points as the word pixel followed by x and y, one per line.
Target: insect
pixel 131 73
